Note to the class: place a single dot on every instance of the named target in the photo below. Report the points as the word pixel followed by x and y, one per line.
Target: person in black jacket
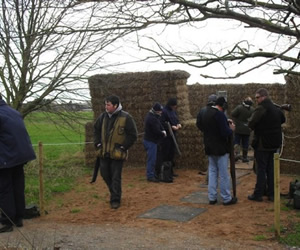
pixel 168 147
pixel 154 132
pixel 114 133
pixel 15 151
pixel 266 122
pixel 217 131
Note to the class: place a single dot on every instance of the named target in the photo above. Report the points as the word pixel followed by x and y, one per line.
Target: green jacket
pixel 240 115
pixel 114 134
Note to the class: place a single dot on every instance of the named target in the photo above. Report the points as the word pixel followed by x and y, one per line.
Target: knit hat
pixel 212 99
pixel 157 107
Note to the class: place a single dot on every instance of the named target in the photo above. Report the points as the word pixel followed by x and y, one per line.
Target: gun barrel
pixel 287 107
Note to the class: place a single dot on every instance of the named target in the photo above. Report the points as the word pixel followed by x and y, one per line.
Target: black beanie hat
pixel 172 102
pixel 157 107
pixel 221 101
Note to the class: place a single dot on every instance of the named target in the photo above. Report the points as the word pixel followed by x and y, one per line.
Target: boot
pixel 237 152
pixel 245 155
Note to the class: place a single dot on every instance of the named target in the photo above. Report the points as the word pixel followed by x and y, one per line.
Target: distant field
pixel 63 144
pixel 57 135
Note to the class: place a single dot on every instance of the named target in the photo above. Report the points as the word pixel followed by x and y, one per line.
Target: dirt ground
pixel 244 222
pixel 83 219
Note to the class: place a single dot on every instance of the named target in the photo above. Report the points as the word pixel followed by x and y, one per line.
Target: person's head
pixel 248 101
pixel 172 103
pixel 112 103
pixel 221 103
pixel 157 108
pixel 212 100
pixel 261 94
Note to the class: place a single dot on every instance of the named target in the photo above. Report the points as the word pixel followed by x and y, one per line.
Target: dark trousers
pixel 168 149
pixel 12 196
pixel 159 160
pixel 238 138
pixel 264 173
pixel 111 172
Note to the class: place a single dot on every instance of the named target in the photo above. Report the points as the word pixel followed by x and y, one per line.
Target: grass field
pixel 63 160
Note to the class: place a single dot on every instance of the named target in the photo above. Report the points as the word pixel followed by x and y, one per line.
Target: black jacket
pixel 266 122
pixel 216 132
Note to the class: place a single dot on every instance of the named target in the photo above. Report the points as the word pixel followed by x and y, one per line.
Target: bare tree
pixel 278 19
pixel 48 48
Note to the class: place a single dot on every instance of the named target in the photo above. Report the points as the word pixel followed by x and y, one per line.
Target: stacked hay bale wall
pixel 138 92
pixel 236 93
pixel 291 146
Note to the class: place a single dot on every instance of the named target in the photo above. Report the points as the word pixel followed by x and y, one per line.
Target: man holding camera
pixel 266 122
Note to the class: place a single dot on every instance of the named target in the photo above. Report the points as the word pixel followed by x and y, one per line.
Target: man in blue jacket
pixel 15 151
pixel 154 133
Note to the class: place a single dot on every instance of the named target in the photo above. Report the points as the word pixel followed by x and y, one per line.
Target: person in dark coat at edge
pixel 15 151
pixel 199 122
pixel 168 147
pixel 240 116
pixel 154 133
pixel 266 122
pixel 217 130
pixel 114 133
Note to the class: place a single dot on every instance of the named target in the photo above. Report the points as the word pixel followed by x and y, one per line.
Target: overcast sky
pixel 214 35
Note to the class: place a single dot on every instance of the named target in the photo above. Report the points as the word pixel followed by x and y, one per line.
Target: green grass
pixel 63 159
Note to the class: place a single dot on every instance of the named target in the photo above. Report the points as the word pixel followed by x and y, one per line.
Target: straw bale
pixel 138 92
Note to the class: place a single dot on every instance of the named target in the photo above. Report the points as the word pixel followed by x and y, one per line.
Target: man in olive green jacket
pixel 114 133
pixel 240 115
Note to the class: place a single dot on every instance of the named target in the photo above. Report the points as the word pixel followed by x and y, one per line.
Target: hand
pixel 165 133
pixel 232 126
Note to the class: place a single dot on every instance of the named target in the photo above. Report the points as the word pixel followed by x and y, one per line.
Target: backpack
pixel 166 173
pixel 294 193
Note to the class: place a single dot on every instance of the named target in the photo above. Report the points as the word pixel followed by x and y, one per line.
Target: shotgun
pixel 96 170
pixel 173 137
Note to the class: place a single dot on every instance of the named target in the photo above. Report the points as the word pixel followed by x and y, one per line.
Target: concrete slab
pixel 176 213
pixel 199 197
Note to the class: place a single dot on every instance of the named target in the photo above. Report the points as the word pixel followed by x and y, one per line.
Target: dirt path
pixel 83 219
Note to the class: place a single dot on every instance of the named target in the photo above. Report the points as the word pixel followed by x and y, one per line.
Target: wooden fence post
pixel 277 195
pixel 41 156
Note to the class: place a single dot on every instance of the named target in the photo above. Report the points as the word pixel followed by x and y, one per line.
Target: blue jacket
pixel 15 144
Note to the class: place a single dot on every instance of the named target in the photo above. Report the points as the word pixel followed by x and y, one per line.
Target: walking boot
pixel 237 155
pixel 245 155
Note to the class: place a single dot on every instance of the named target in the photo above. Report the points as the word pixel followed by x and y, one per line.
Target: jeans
pixel 218 169
pixel 151 149
pixel 111 172
pixel 264 173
